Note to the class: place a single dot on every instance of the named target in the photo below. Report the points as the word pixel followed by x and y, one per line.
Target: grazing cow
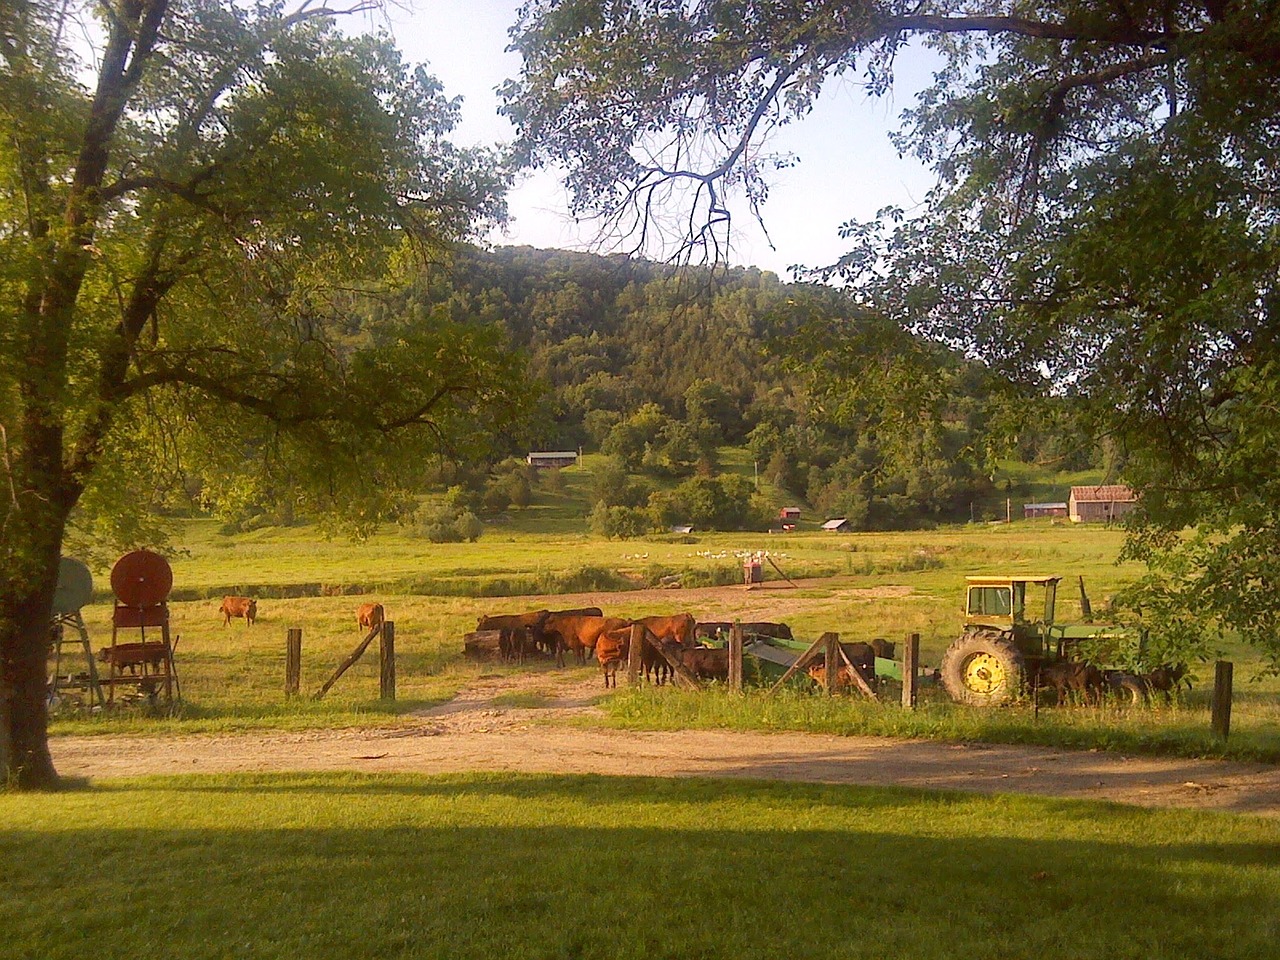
pixel 517 643
pixel 530 622
pixel 612 649
pixel 1166 679
pixel 680 629
pixel 370 615
pixel 134 655
pixel 711 629
pixel 578 633
pixel 1068 677
pixel 705 663
pixel 246 607
pixel 779 631
pixel 818 673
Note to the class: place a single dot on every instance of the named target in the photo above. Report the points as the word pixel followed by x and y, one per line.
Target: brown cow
pixel 578 633
pixel 680 629
pixel 705 663
pixel 1068 677
pixel 370 615
pixel 1166 679
pixel 612 649
pixel 246 607
pixel 509 643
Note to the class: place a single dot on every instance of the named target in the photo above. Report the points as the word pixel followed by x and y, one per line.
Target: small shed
pixel 837 525
pixel 1033 510
pixel 552 458
pixel 1101 504
pixel 789 513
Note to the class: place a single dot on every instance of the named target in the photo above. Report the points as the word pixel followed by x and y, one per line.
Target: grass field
pixel 876 584
pixel 338 866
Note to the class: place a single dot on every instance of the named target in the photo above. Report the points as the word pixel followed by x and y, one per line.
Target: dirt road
pixel 475 733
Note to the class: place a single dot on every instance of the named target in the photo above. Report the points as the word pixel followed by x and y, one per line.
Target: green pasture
pixel 877 585
pixel 512 866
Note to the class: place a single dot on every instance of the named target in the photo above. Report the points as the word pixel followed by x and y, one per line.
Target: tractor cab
pixel 1000 603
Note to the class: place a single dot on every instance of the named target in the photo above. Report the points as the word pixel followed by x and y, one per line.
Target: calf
pixel 131 656
pixel 1166 679
pixel 246 607
pixel 705 663
pixel 1067 677
pixel 370 615
pixel 612 649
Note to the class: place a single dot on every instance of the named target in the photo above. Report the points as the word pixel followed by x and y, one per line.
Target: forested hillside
pixel 658 368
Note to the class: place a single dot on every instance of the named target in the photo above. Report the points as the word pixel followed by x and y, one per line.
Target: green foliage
pixel 726 502
pixel 446 524
pixel 618 522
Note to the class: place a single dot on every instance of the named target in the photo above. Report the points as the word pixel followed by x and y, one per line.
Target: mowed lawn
pixel 501 866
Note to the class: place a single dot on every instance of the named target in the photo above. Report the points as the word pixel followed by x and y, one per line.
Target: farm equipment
pixel 1006 644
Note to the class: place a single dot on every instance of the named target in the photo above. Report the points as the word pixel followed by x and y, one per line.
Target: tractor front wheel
pixel 982 668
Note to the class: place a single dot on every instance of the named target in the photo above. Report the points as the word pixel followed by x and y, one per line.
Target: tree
pixel 1103 228
pixel 183 249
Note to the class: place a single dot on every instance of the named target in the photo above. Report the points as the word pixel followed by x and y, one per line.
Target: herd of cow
pixel 588 632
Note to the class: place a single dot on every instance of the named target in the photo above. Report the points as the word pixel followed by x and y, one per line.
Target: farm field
pixel 885 584
pixel 338 865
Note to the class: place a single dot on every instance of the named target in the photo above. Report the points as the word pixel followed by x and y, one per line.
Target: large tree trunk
pixel 26 601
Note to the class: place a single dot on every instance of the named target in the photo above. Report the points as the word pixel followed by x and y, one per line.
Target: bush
pixel 623 523
pixel 446 524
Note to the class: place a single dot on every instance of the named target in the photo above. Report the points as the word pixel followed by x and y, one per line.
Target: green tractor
pixel 1005 643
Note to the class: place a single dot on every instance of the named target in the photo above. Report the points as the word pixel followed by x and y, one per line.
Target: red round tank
pixel 141 579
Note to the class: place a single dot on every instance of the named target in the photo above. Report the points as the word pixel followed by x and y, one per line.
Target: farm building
pixel 838 525
pixel 1100 504
pixel 789 513
pixel 553 458
pixel 1032 510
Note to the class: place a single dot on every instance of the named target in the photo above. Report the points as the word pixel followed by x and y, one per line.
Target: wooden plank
pixel 293 662
pixel 1221 704
pixel 356 654
pixel 832 655
pixel 735 657
pixel 683 677
pixel 784 576
pixel 799 665
pixel 635 653
pixel 387 661
pixel 858 682
pixel 910 670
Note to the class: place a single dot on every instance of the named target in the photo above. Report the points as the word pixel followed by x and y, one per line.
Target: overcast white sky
pixel 848 168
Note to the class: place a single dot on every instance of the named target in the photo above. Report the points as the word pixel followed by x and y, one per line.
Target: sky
pixel 848 169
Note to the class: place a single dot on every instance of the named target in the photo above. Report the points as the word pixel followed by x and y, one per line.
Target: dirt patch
pixel 477 731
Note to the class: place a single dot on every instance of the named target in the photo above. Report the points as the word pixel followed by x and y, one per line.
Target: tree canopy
pixel 193 196
pixel 1103 226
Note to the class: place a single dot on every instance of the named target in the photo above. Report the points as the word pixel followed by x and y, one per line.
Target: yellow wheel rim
pixel 984 674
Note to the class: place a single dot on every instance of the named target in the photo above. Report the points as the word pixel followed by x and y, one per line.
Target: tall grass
pixel 1175 729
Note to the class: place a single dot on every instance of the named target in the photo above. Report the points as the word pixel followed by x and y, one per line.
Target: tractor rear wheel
pixel 983 668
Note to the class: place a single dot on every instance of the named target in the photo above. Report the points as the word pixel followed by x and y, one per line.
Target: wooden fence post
pixel 833 662
pixel 293 662
pixel 735 657
pixel 634 653
pixel 910 670
pixel 387 660
pixel 1221 705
